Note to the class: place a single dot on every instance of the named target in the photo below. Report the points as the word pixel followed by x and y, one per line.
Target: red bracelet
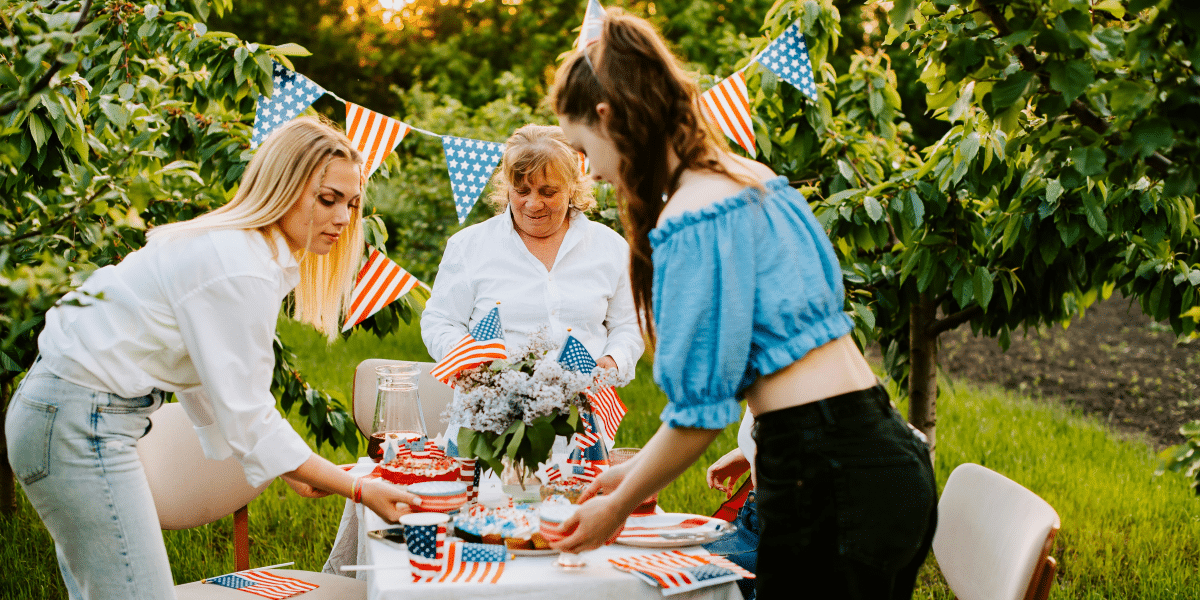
pixel 356 491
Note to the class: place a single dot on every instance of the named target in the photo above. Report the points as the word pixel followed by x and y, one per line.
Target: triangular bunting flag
pixel 380 281
pixel 373 134
pixel 292 94
pixel 593 24
pixel 484 343
pixel 470 163
pixel 787 56
pixel 728 105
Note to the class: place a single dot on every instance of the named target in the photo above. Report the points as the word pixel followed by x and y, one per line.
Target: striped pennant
pixel 264 583
pixel 607 405
pixel 373 134
pixel 728 105
pixel 676 572
pixel 380 281
pixel 483 344
pixel 471 562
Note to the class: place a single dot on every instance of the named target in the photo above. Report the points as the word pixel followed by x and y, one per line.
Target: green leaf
pixel 291 49
pixel 984 286
pixel 116 113
pixel 1150 135
pixel 1070 78
pixel 914 208
pixel 1007 92
pixel 847 172
pixel 1095 214
pixel 864 314
pixel 39 130
pixel 1054 190
pixel 874 209
pixel 901 13
pixel 1088 160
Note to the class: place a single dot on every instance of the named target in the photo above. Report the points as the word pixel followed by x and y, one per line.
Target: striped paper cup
pixel 439 496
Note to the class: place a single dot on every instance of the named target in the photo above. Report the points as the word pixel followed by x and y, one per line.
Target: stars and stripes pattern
pixel 728 105
pixel 426 550
pixel 373 134
pixel 470 163
pixel 787 57
pixel 676 572
pixel 264 583
pixel 483 344
pixel 586 438
pixel 292 94
pixel 468 562
pixel 380 282
pixel 468 474
pixel 593 24
pixel 607 405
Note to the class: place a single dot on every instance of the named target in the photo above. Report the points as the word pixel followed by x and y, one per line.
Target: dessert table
pixel 525 577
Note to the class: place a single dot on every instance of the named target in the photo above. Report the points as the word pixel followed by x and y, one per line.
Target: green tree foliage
pixel 1066 169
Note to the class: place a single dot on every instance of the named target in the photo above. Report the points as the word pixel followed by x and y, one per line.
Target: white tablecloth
pixel 525 577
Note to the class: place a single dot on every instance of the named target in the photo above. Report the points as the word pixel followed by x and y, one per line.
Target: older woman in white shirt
pixel 541 259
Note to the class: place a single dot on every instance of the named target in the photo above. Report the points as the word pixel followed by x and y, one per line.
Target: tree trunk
pixel 922 378
pixel 8 492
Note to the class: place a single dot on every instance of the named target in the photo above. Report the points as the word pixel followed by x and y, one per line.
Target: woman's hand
pixel 606 362
pixel 388 501
pixel 596 523
pixel 305 490
pixel 725 472
pixel 607 481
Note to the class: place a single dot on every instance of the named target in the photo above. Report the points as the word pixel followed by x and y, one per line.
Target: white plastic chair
pixel 190 490
pixel 994 537
pixel 435 395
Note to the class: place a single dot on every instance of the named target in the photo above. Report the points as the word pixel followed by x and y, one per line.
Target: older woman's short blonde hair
pixel 541 149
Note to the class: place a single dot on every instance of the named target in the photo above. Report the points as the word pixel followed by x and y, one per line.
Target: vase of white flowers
pixel 512 410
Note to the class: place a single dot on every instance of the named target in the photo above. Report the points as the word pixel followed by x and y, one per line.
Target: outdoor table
pixel 525 577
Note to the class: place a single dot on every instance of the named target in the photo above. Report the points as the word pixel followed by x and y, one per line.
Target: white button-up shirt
pixel 194 314
pixel 585 294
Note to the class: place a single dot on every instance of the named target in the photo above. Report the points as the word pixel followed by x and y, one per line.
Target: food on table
pixel 570 489
pixel 406 469
pixel 515 527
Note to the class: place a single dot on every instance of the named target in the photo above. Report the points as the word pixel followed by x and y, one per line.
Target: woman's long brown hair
pixel 653 106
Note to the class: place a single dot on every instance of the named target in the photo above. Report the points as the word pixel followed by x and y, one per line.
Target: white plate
pixel 671 530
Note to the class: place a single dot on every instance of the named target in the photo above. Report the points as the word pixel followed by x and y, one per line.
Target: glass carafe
pixel 397 406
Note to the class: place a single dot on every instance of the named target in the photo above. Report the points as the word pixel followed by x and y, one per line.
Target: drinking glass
pixel 619 455
pixel 397 406
pixel 550 520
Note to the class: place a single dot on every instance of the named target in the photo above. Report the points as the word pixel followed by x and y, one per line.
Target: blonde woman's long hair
pixel 541 149
pixel 276 179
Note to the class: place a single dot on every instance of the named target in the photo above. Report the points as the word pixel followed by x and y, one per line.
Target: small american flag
pixel 426 550
pixel 585 470
pixel 788 57
pixel 380 281
pixel 470 164
pixel 292 94
pixel 468 474
pixel 483 344
pixel 575 356
pixel 373 134
pixel 586 438
pixel 728 105
pixel 263 583
pixel 593 24
pixel 470 562
pixel 677 572
pixel 607 405
pixel 553 474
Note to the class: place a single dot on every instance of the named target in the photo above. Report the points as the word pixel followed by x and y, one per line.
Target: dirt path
pixel 1115 363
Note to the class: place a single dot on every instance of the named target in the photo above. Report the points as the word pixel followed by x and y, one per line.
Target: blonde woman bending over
pixel 194 313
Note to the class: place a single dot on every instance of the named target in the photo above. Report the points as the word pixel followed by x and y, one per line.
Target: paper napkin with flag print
pixel 787 57
pixel 380 281
pixel 728 105
pixel 484 343
pixel 677 572
pixel 292 94
pixel 605 402
pixel 263 583
pixel 373 134
pixel 470 164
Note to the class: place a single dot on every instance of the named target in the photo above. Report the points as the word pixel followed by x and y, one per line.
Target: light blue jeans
pixel 73 449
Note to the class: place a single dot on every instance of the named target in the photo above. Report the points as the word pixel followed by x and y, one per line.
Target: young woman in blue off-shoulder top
pixel 740 288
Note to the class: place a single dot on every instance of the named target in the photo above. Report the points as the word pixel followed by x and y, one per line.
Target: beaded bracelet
pixel 356 491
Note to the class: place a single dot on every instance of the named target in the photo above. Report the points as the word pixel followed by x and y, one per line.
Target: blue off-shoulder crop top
pixel 742 288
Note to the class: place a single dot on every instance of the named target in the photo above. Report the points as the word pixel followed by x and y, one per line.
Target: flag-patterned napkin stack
pixel 787 56
pixel 431 559
pixel 263 583
pixel 380 281
pixel 470 163
pixel 483 344
pixel 677 572
pixel 292 94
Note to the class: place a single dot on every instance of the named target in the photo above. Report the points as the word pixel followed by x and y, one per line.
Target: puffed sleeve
pixel 625 343
pixel 228 328
pixel 704 303
pixel 448 310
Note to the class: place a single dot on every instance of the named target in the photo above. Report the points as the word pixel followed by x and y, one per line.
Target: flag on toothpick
pixel 264 583
pixel 676 571
pixel 787 56
pixel 593 24
pixel 575 356
pixel 471 562
pixel 470 163
pixel 292 94
pixel 728 105
pixel 484 343
pixel 605 402
pixel 373 134
pixel 380 281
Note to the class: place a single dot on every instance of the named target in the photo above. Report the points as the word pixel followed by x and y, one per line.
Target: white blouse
pixel 194 315
pixel 585 294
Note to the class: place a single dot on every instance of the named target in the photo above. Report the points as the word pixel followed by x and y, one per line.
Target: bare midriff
pixel 838 367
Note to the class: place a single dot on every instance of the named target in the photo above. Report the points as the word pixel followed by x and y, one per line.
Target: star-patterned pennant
pixel 292 94
pixel 373 134
pixel 470 163
pixel 593 24
pixel 787 56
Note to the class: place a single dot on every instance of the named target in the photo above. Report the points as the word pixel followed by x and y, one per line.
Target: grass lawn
pixel 1125 533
